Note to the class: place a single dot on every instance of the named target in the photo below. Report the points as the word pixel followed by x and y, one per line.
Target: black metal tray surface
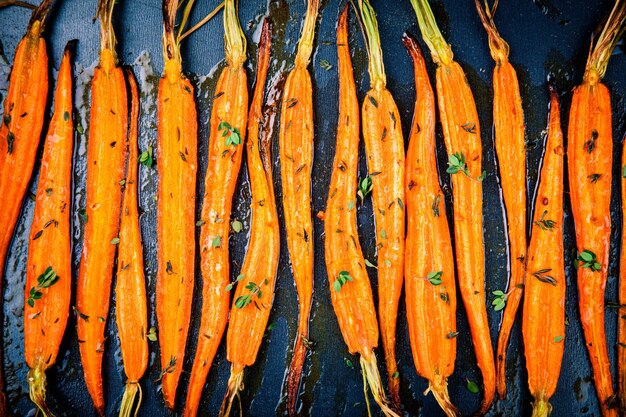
pixel 548 38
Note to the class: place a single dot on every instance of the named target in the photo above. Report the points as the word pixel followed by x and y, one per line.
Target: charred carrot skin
pixel 508 122
pixel 353 301
pixel 461 130
pixel 543 324
pixel 177 152
pixel 384 146
pixel 107 150
pixel 20 133
pixel 254 292
pixel 130 290
pixel 429 263
pixel 49 247
pixel 590 156
pixel 296 150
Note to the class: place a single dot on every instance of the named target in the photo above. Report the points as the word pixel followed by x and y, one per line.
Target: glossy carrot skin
pixel 177 155
pixel 430 308
pixel 543 324
pixel 130 290
pixel 107 151
pixel 50 242
pixel 591 112
pixel 621 346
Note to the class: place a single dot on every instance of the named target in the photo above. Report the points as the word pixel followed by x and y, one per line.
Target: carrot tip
pixel 235 386
pixel 372 377
pixel 128 399
pixel 37 390
pixel 440 392
pixel 541 408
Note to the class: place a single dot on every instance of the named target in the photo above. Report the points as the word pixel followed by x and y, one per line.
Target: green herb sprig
pixel 45 280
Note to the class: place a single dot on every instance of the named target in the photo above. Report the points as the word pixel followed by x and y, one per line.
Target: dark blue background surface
pixel 546 37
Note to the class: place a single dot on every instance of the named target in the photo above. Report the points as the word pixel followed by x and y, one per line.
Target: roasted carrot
pixel 590 157
pixel 177 152
pixel 254 293
pixel 461 130
pixel 48 273
pixel 543 323
pixel 621 345
pixel 508 123
pixel 107 151
pixel 20 133
pixel 350 289
pixel 429 263
pixel 384 146
pixel 131 305
pixel 296 163
pixel 228 127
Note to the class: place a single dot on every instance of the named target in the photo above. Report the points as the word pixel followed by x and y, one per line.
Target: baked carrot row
pixel 350 289
pixel 254 286
pixel 296 150
pixel 429 262
pixel 20 133
pixel 48 272
pixel 107 151
pixel 543 324
pixel 508 123
pixel 461 130
pixel 590 158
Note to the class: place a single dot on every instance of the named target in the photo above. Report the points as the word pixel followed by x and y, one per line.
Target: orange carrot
pixel 384 146
pixel 130 290
pixel 429 263
pixel 590 157
pixel 20 133
pixel 255 284
pixel 508 122
pixel 296 150
pixel 543 325
pixel 177 152
pixel 107 151
pixel 228 121
pixel 48 274
pixel 462 138
pixel 621 345
pixel 350 289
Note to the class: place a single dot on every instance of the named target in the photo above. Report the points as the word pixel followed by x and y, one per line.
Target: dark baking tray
pixel 547 38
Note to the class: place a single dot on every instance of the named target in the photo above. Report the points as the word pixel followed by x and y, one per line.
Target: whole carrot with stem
pixel 350 289
pixel 543 325
pixel 429 263
pixel 131 305
pixel 177 149
pixel 107 151
pixel 296 151
pixel 228 127
pixel 384 146
pixel 48 272
pixel 590 157
pixel 20 133
pixel 508 123
pixel 254 293
pixel 461 130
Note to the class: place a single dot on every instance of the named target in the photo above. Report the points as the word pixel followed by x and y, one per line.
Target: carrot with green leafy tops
pixel 48 271
pixel 429 263
pixel 384 146
pixel 508 122
pixel 107 151
pixel 296 151
pixel 543 325
pixel 590 158
pixel 350 289
pixel 131 304
pixel 176 205
pixel 254 293
pixel 20 133
pixel 461 129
